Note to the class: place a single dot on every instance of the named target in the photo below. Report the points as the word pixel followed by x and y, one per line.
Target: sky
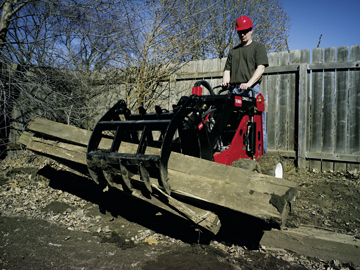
pixel 336 20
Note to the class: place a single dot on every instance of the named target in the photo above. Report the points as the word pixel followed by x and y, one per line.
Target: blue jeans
pixel 249 93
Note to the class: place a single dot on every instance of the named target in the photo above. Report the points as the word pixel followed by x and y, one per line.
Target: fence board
pixel 213 66
pixel 304 108
pixel 341 106
pixel 281 138
pixel 316 108
pixel 186 86
pixel 271 123
pixel 329 105
pixel 354 107
pixel 292 107
pixel 264 90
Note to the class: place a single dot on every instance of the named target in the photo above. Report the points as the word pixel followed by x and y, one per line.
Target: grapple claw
pixel 145 176
pixel 125 176
pixel 194 127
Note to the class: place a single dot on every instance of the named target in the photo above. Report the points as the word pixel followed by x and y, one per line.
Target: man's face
pixel 245 35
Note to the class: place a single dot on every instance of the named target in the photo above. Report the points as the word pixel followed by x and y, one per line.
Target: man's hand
pixel 225 84
pixel 226 78
pixel 244 86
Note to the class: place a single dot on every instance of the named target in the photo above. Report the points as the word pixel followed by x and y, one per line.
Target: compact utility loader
pixel 219 127
pixel 178 160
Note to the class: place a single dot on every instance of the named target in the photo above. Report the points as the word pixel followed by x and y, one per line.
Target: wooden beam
pixel 53 129
pixel 335 65
pixel 333 157
pixel 283 153
pixel 193 181
pixel 201 191
pixel 281 69
pixel 177 162
pixel 77 154
pixel 312 242
pixel 303 116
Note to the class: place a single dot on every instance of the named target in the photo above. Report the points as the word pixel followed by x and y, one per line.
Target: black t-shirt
pixel 242 61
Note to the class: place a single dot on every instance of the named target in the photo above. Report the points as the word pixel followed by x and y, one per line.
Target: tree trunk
pixel 4 22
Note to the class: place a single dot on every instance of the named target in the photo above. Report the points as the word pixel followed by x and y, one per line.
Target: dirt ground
pixel 53 219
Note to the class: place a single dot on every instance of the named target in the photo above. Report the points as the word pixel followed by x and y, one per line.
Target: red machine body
pixel 237 148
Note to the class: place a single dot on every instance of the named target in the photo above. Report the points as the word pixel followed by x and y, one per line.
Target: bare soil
pixel 130 234
pixel 329 200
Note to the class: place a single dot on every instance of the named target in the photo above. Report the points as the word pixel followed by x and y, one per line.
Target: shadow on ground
pixel 235 229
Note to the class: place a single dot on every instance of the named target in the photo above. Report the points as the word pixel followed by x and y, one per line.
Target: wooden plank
pixel 185 86
pixel 53 129
pixel 325 244
pixel 185 75
pixel 264 90
pixel 282 69
pixel 200 68
pixel 281 138
pixel 231 175
pixel 209 65
pixel 174 96
pixel 70 152
pixel 77 154
pixel 214 193
pixel 271 124
pixel 329 105
pixel 200 217
pixel 316 108
pixel 286 154
pixel 303 108
pixel 177 162
pixel 336 65
pixel 199 75
pixel 341 106
pixel 334 157
pixel 229 193
pixel 354 107
pixel 294 58
pixel 215 66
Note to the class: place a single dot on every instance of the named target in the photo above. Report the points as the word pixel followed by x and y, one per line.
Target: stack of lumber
pixel 200 189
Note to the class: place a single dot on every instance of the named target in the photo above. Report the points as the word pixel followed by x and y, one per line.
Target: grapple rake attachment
pixel 113 166
pixel 203 126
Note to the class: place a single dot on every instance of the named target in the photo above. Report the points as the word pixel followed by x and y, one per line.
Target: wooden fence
pixel 312 105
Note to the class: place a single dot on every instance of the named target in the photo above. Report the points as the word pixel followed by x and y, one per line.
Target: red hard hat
pixel 244 22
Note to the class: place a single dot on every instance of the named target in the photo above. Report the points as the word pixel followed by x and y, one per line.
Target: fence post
pixel 303 116
pixel 173 94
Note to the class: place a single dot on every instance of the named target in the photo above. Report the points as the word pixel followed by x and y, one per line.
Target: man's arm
pixel 255 77
pixel 226 78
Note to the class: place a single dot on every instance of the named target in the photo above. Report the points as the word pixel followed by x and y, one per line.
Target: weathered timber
pixel 282 128
pixel 271 101
pixel 312 242
pixel 201 191
pixel 316 107
pixel 292 118
pixel 203 183
pixel 177 162
pixel 55 130
pixel 341 100
pixel 75 157
pixel 328 110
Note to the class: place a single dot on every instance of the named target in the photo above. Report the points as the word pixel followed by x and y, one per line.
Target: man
pixel 246 63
